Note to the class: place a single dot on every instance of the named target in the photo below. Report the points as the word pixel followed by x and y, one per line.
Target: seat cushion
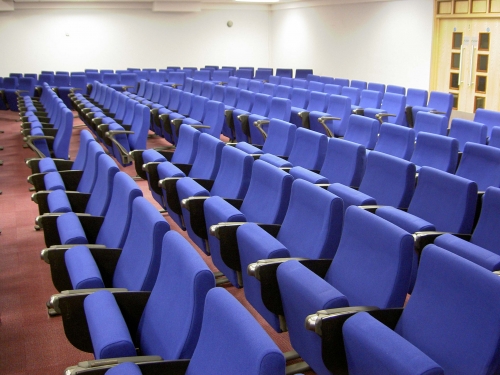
pixel 404 220
pixel 82 269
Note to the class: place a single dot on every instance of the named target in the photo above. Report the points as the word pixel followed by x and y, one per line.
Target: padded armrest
pixel 265 271
pixel 151 174
pixel 105 258
pixel 177 367
pixel 195 206
pixel 126 159
pixel 131 305
pixel 77 200
pixel 109 362
pixel 322 120
pixel 422 239
pixel 170 186
pixel 90 224
pixel 328 324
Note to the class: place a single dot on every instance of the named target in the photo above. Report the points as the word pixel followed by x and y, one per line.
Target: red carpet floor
pixel 32 343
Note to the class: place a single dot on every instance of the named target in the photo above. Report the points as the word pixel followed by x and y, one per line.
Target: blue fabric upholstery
pixel 393 104
pixel 487 117
pixel 467 131
pixel 438 102
pixel 279 109
pixel 339 107
pixel 266 200
pixel 436 151
pixel 455 324
pixel 396 140
pixel 431 123
pixel 387 181
pixel 481 164
pixel 82 269
pixel 364 272
pixel 362 130
pixel 311 210
pixel 70 229
pixel 109 332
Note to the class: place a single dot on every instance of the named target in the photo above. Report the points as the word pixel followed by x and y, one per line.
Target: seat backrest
pixel 234 174
pixel 27 84
pixel 344 162
pixel 79 82
pixel 436 151
pixel 370 99
pixel 129 79
pixel 317 212
pixel 302 73
pixel 62 139
pixel 362 130
pixel 495 137
pixel 214 117
pixel 441 101
pixel 340 107
pixel 219 93
pixel 114 228
pixel 255 86
pixel 81 156
pixel 309 149
pixel 269 89
pixel 416 97
pixel 139 261
pixel 315 86
pixel 93 76
pixel 186 101
pixel 394 104
pixel 341 81
pixel 299 98
pixel 436 321
pixel 157 77
pixel 274 80
pixel 327 80
pixel 445 200
pixel 396 140
pixel 396 89
pixel 243 83
pixel 101 193
pixel 388 179
pixel 110 78
pixel 268 194
pixel 313 77
pixel 177 77
pixel 175 99
pixel 263 74
pixel 376 87
pixel 232 81
pixel 171 321
pixel 368 272
pixel 300 83
pixel 261 104
pixel 362 85
pixel 317 101
pixel 188 85
pixel 353 93
pixel 231 96
pixel 280 109
pixel 198 108
pixel 140 127
pixel 142 85
pixel 207 89
pixel 487 117
pixel 430 123
pixel 480 163
pixel 283 92
pixel 10 83
pixel 284 72
pixel 467 131
pixel 279 141
pixel 187 145
pixel 332 89
pixel 87 180
pixel 286 81
pixel 220 76
pixel 486 232
pixel 197 87
pixel 243 347
pixel 207 161
pixel 61 80
pixel 244 73
pixel 47 78
pixel 245 100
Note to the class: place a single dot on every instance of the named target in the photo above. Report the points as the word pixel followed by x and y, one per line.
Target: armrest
pixel 45 254
pixel 258 124
pixel 265 271
pixel 176 123
pixel 126 159
pixel 243 117
pixel 322 121
pixel 175 367
pixel 110 362
pixel 77 200
pixel 170 186
pixel 30 139
pixel 435 111
pixel 422 239
pixel 75 323
pixel 195 206
pixel 125 88
pixel 136 155
pixel 328 324
pixel 105 258
pixel 91 226
pixel 18 92
pixel 151 174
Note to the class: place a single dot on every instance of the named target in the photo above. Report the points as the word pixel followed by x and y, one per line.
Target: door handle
pixel 471 66
pixel 460 66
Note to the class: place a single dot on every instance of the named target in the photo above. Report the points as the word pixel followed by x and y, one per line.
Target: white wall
pixel 388 42
pixel 35 40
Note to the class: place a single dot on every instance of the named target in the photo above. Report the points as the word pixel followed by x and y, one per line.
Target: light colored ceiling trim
pixel 26 5
pixel 6 6
pixel 317 3
pixel 177 6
